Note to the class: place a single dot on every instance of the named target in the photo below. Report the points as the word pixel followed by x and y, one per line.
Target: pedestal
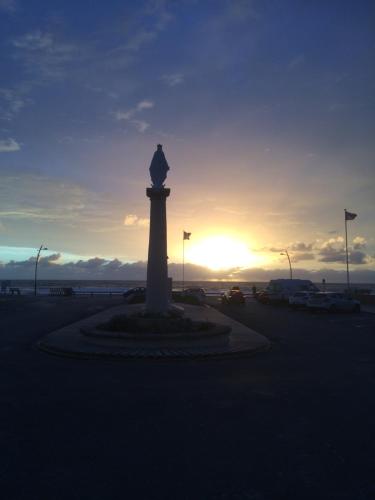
pixel 157 294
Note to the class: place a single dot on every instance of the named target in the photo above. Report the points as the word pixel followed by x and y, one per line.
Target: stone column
pixel 157 294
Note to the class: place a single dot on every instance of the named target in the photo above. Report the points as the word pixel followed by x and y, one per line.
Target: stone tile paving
pixel 69 341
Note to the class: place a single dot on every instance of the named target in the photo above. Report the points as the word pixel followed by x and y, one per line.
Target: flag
pixel 349 215
pixel 187 236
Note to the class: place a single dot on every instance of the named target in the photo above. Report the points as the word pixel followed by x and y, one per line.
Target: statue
pixel 158 168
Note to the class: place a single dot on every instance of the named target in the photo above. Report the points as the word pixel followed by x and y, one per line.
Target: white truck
pixel 280 290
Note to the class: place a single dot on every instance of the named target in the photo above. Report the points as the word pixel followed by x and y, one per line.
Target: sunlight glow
pixel 219 252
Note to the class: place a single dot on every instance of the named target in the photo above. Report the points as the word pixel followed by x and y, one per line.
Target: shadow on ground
pixel 292 423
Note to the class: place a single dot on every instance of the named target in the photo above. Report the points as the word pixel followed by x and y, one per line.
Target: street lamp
pixel 285 252
pixel 42 247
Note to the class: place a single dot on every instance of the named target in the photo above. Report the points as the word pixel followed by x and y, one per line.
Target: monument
pixel 157 329
pixel 157 293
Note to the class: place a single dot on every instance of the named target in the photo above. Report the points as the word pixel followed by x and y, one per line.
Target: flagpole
pixel 346 249
pixel 183 262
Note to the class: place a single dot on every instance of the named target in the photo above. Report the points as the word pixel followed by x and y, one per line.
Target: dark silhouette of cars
pixel 263 297
pixel 196 292
pixel 333 302
pixel 135 295
pixel 299 299
pixel 279 291
pixel 234 296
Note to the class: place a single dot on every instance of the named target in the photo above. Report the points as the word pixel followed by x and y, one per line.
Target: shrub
pixel 141 324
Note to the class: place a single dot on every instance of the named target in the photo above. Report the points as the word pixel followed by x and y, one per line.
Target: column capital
pixel 158 193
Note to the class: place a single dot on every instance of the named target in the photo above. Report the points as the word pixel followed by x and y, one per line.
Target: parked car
pixel 333 302
pixel 280 290
pixel 300 299
pixel 234 296
pixel 196 292
pixel 262 296
pixel 135 295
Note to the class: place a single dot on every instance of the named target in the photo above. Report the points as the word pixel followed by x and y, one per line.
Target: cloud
pixel 301 256
pixel 11 103
pixel 298 251
pixel 127 115
pixel 299 246
pixel 35 40
pixel 173 79
pixel 113 269
pixel 144 105
pixel 124 115
pixel 43 55
pixel 9 6
pixel 139 39
pixel 130 220
pixel 359 243
pixel 90 264
pixel 275 249
pixel 158 10
pixel 140 125
pixel 330 251
pixel 102 91
pixel 66 139
pixel 358 257
pixel 296 61
pixel 241 10
pixel 9 145
pixel 231 210
pixel 154 14
pixel 333 250
pixel 52 258
pixel 134 220
pixel 94 268
pixel 39 198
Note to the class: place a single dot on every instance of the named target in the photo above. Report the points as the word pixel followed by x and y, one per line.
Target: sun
pixel 219 252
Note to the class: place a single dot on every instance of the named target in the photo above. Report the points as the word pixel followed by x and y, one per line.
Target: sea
pixel 102 287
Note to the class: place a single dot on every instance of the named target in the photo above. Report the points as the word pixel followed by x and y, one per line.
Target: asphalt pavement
pixel 295 422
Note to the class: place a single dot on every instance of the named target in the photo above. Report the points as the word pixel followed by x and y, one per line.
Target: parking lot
pixel 302 327
pixel 294 422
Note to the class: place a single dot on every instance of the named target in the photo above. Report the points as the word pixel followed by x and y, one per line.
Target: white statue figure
pixel 158 168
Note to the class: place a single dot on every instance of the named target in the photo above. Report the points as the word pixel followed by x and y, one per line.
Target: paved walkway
pixel 368 308
pixel 70 341
pixel 291 423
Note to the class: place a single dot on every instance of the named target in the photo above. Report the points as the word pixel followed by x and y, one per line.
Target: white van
pixel 281 289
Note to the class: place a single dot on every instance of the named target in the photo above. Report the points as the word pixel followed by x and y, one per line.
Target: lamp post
pixel 285 252
pixel 42 247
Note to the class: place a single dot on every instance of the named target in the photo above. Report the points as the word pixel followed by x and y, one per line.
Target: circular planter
pixel 216 335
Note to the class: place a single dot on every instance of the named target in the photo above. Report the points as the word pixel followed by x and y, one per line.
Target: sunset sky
pixel 265 110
